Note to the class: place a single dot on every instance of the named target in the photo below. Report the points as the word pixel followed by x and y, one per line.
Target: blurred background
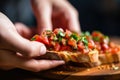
pixel 101 15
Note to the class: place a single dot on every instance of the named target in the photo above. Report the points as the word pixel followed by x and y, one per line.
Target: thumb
pixel 11 40
pixel 43 11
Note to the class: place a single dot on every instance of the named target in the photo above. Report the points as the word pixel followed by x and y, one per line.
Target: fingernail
pixel 59 62
pixel 62 62
pixel 42 50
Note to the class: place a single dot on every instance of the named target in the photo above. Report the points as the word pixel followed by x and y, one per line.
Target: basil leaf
pixel 74 35
pixel 61 34
pixel 33 39
pixel 55 38
pixel 60 39
pixel 96 39
pixel 87 33
pixel 84 40
pixel 106 40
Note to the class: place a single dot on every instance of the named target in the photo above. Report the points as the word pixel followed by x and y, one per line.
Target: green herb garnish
pixel 75 36
pixel 60 39
pixel 61 34
pixel 96 39
pixel 84 40
pixel 87 33
pixel 55 38
pixel 33 39
pixel 107 38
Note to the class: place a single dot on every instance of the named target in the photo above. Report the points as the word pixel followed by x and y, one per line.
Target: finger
pixel 73 22
pixel 71 15
pixel 42 10
pixel 24 30
pixel 31 64
pixel 38 65
pixel 29 49
pixel 9 60
pixel 11 40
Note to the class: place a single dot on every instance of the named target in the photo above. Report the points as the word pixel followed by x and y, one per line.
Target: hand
pixel 55 13
pixel 18 52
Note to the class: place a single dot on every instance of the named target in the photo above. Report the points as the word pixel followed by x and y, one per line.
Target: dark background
pixel 101 15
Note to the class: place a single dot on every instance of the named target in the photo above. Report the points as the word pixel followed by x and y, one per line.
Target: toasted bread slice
pixel 91 59
pixel 109 58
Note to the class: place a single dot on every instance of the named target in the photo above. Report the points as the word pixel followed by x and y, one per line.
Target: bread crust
pixel 90 59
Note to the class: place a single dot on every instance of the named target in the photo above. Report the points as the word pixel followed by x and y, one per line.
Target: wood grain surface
pixel 104 72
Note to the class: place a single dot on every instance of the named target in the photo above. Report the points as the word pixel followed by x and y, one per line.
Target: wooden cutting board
pixel 104 72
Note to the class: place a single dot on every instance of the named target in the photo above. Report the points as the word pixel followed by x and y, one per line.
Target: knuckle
pixel 34 49
pixel 30 53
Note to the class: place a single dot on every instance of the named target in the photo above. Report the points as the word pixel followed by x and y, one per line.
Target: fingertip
pixel 42 50
pixel 62 62
pixel 57 62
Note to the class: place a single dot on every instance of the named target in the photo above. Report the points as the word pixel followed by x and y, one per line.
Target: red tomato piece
pixel 68 48
pixel 91 44
pixel 57 46
pixel 68 33
pixel 45 40
pixel 97 34
pixel 57 30
pixel 115 50
pixel 72 42
pixel 80 46
pixel 98 46
pixel 112 45
pixel 37 38
pixel 105 46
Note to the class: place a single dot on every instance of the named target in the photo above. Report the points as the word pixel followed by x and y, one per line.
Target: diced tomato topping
pixel 68 34
pixel 72 42
pixel 57 30
pixel 105 40
pixel 63 41
pixel 59 40
pixel 37 38
pixel 97 34
pixel 115 50
pixel 65 48
pixel 85 51
pixel 105 46
pixel 44 39
pixel 112 45
pixel 91 44
pixel 57 46
pixel 80 46
pixel 98 46
pixel 109 50
pixel 53 37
